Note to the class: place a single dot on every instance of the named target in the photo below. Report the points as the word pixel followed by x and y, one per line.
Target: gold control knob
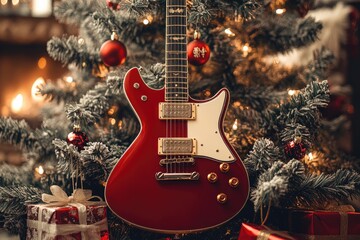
pixel 234 182
pixel 221 198
pixel 224 167
pixel 212 177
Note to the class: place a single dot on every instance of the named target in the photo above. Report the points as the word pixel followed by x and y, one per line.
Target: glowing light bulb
pixel 235 125
pixel 229 32
pixel 112 121
pixel 245 48
pixel 291 92
pixel 42 63
pixel 35 94
pixel 4 2
pixel 311 157
pixel 40 170
pixel 280 11
pixel 15 2
pixel 69 79
pixel 146 21
pixel 17 103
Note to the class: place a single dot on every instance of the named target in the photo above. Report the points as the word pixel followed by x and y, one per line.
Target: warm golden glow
pixel 5 111
pixel 35 94
pixel 146 21
pixel 112 121
pixel 15 2
pixel 280 11
pixel 291 92
pixel 229 32
pixel 120 124
pixel 4 2
pixel 17 103
pixel 42 63
pixel 311 157
pixel 235 125
pixel 69 79
pixel 40 170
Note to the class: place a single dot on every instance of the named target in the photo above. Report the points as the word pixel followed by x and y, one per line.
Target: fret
pixel 176 68
pixel 176 16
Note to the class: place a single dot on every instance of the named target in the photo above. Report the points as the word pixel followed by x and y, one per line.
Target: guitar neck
pixel 176 84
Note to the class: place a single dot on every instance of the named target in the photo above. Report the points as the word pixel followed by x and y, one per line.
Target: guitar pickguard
pixel 206 129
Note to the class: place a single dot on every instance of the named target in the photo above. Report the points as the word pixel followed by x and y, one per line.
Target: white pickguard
pixel 205 129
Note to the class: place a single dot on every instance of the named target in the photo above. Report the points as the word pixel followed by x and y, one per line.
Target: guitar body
pixel 176 206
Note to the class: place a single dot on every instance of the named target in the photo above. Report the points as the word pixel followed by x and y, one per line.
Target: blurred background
pixel 26 26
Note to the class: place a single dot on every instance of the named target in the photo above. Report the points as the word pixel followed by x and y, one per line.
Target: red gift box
pixel 327 225
pixel 251 231
pixel 75 221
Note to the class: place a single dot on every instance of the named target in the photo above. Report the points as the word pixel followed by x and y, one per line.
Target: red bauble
pixel 198 52
pixel 113 5
pixel 78 139
pixel 113 53
pixel 295 150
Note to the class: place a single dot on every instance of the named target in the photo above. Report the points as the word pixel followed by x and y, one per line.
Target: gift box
pixel 66 219
pixel 327 225
pixel 251 231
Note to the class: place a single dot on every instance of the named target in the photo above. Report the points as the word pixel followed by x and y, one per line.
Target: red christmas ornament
pixel 198 52
pixel 113 52
pixel 77 138
pixel 295 149
pixel 113 5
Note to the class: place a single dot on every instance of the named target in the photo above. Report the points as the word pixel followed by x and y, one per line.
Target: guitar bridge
pixel 185 111
pixel 160 176
pixel 176 146
pixel 164 162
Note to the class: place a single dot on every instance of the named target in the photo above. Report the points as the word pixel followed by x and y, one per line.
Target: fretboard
pixel 176 85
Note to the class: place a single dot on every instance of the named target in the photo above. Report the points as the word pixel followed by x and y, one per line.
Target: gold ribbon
pixel 78 199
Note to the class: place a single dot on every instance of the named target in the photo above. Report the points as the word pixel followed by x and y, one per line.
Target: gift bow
pixel 59 197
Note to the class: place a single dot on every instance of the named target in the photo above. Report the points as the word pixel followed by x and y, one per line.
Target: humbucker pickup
pixel 185 111
pixel 177 146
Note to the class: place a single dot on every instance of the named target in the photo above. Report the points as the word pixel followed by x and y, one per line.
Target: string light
pixel 69 79
pixel 35 93
pixel 40 170
pixel 147 20
pixel 120 124
pixel 112 121
pixel 235 125
pixel 17 103
pixel 42 63
pixel 246 49
pixel 280 11
pixel 4 2
pixel 229 32
pixel 291 92
pixel 311 157
pixel 15 2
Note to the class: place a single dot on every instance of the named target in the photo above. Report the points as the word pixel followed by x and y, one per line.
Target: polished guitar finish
pixel 180 174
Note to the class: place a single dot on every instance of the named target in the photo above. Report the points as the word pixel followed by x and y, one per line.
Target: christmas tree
pixel 274 120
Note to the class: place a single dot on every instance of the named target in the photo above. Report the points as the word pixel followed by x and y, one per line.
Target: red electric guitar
pixel 180 174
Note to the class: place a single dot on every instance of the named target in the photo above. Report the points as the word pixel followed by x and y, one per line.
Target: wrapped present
pixel 67 218
pixel 251 231
pixel 327 225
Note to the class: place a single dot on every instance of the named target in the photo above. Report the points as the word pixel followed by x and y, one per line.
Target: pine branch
pixel 97 161
pixel 300 115
pixel 317 190
pixel 281 34
pixel 13 199
pixel 10 174
pixel 75 11
pixel 260 159
pixel 71 50
pixel 66 154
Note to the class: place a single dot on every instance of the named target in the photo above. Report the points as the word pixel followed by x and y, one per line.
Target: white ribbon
pixel 78 199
